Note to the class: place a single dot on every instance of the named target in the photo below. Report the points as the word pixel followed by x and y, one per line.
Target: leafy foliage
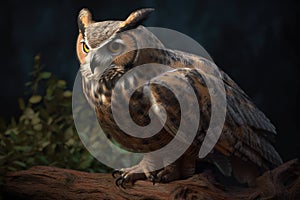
pixel 44 134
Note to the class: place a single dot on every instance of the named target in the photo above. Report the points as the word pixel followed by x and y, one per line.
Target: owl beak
pixel 99 61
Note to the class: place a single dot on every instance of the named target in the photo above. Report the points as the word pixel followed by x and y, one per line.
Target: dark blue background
pixel 255 42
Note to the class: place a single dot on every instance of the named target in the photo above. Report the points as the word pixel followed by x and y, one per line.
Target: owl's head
pixel 112 43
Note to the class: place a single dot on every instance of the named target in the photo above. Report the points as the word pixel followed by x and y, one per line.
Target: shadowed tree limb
pixel 43 182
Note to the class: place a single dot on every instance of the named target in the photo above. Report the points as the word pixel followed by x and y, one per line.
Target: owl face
pixel 101 45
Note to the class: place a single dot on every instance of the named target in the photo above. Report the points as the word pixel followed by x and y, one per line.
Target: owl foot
pixel 167 174
pixel 129 176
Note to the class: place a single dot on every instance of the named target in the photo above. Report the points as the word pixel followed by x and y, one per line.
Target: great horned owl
pixel 108 50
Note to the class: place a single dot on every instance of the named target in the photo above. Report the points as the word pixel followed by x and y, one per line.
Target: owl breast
pixel 99 95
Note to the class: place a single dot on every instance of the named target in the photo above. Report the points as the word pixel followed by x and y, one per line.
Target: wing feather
pixel 247 132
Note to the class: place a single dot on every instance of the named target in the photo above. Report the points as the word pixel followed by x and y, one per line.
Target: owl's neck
pixel 98 92
pixel 152 55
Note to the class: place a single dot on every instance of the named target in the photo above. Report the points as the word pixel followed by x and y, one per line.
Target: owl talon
pixel 154 179
pixel 116 172
pixel 120 182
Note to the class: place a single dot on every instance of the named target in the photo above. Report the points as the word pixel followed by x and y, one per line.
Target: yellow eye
pixel 85 48
pixel 115 47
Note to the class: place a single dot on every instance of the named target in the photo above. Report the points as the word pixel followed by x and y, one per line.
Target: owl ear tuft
pixel 84 19
pixel 135 19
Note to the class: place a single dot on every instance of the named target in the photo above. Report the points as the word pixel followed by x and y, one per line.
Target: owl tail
pixel 242 171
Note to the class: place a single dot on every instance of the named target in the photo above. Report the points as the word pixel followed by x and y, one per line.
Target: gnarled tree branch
pixel 43 182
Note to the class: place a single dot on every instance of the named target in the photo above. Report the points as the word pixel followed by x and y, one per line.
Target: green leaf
pixel 50 120
pixel 13 122
pixel 67 94
pixel 43 145
pixel 70 142
pixel 28 83
pixel 11 168
pixel 35 120
pixel 29 113
pixel 23 148
pixel 61 83
pixel 86 163
pixel 19 163
pixel 30 161
pixel 8 132
pixel 49 92
pixel 35 99
pixel 30 132
pixel 43 160
pixel 21 103
pixel 45 75
pixel 38 127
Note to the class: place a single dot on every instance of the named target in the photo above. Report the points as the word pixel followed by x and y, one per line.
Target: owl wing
pixel 252 133
pixel 242 111
pixel 247 132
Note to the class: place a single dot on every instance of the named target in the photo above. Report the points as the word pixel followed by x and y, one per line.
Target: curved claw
pixel 115 172
pixel 120 182
pixel 153 178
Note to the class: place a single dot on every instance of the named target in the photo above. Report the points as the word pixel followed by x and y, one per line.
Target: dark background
pixel 255 42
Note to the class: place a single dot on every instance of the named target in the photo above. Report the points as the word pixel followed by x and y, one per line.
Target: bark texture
pixel 43 182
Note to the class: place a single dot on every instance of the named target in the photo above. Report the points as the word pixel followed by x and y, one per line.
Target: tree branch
pixel 43 182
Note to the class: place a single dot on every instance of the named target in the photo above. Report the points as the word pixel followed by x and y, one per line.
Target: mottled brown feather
pixel 247 135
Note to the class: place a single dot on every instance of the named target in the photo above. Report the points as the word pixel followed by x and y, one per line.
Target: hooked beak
pixel 100 61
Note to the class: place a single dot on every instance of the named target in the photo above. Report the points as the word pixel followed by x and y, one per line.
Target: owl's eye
pixel 85 48
pixel 115 47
